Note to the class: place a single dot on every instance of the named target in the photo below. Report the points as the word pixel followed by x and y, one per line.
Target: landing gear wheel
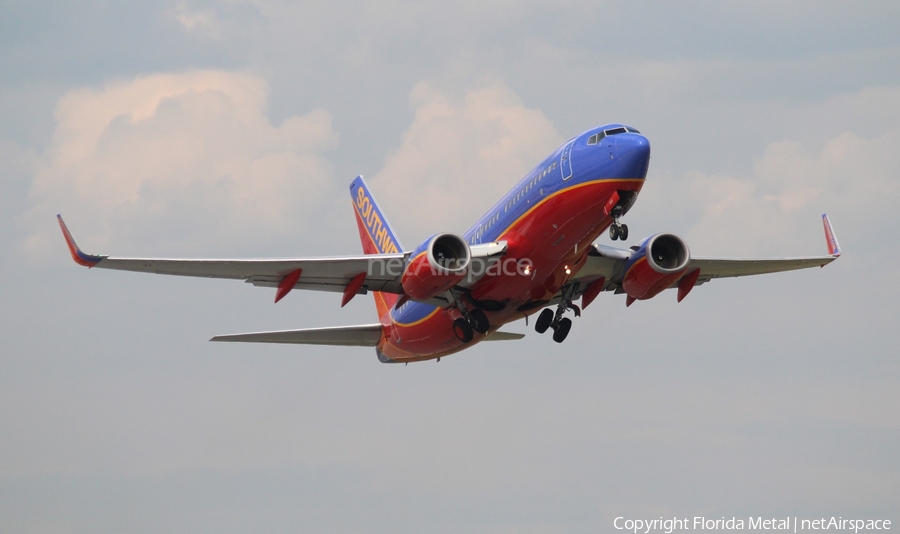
pixel 562 330
pixel 614 232
pixel 462 330
pixel 480 322
pixel 623 232
pixel 543 321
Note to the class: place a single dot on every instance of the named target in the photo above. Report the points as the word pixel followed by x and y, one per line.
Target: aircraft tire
pixel 544 320
pixel 614 232
pixel 462 330
pixel 623 232
pixel 559 335
pixel 480 320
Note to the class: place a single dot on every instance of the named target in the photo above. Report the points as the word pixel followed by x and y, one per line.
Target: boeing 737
pixel 533 252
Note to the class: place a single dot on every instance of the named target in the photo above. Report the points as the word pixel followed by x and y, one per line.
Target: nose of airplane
pixel 633 151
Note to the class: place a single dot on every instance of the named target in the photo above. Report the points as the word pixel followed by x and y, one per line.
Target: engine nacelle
pixel 659 262
pixel 435 266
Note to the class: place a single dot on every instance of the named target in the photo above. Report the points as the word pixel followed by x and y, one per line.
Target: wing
pixel 353 275
pixel 727 268
pixel 350 275
pixel 604 267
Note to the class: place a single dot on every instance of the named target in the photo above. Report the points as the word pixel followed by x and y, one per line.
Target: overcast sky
pixel 233 128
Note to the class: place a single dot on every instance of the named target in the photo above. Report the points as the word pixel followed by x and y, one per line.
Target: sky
pixel 233 128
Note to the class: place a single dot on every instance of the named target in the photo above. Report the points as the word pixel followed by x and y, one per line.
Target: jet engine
pixel 435 266
pixel 658 262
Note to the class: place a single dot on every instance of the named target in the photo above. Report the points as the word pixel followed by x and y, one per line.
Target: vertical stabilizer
pixel 375 234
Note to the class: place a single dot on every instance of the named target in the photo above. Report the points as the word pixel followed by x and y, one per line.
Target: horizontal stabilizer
pixel 366 335
pixel 503 336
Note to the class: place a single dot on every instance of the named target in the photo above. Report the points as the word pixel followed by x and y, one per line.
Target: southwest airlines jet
pixel 534 252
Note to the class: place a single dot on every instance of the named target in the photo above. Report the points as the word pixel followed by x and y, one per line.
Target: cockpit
pixel 594 139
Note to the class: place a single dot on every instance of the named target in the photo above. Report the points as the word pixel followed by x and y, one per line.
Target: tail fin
pixel 375 233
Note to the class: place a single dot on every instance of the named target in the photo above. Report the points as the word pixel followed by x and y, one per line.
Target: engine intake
pixel 435 266
pixel 658 263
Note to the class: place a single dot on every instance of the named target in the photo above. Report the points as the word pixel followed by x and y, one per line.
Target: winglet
pixel 833 247
pixel 80 257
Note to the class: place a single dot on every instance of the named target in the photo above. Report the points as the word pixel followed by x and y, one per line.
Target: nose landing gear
pixel 618 230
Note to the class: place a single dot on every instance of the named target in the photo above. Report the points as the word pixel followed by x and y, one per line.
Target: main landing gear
pixel 618 230
pixel 471 321
pixel 560 325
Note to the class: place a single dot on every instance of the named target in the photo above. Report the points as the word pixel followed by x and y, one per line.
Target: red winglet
pixel 687 283
pixel 834 248
pixel 352 288
pixel 287 284
pixel 87 260
pixel 592 291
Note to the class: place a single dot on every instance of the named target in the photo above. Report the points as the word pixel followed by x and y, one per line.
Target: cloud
pixel 774 208
pixel 192 157
pixel 459 156
pixel 203 20
pixel 849 176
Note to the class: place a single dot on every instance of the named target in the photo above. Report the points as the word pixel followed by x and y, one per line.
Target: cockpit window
pixel 596 138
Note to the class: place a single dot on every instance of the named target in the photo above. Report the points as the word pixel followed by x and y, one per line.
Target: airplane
pixel 533 252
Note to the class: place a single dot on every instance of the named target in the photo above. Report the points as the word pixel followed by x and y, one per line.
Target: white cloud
pixel 774 208
pixel 191 156
pixel 459 156
pixel 851 176
pixel 197 20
